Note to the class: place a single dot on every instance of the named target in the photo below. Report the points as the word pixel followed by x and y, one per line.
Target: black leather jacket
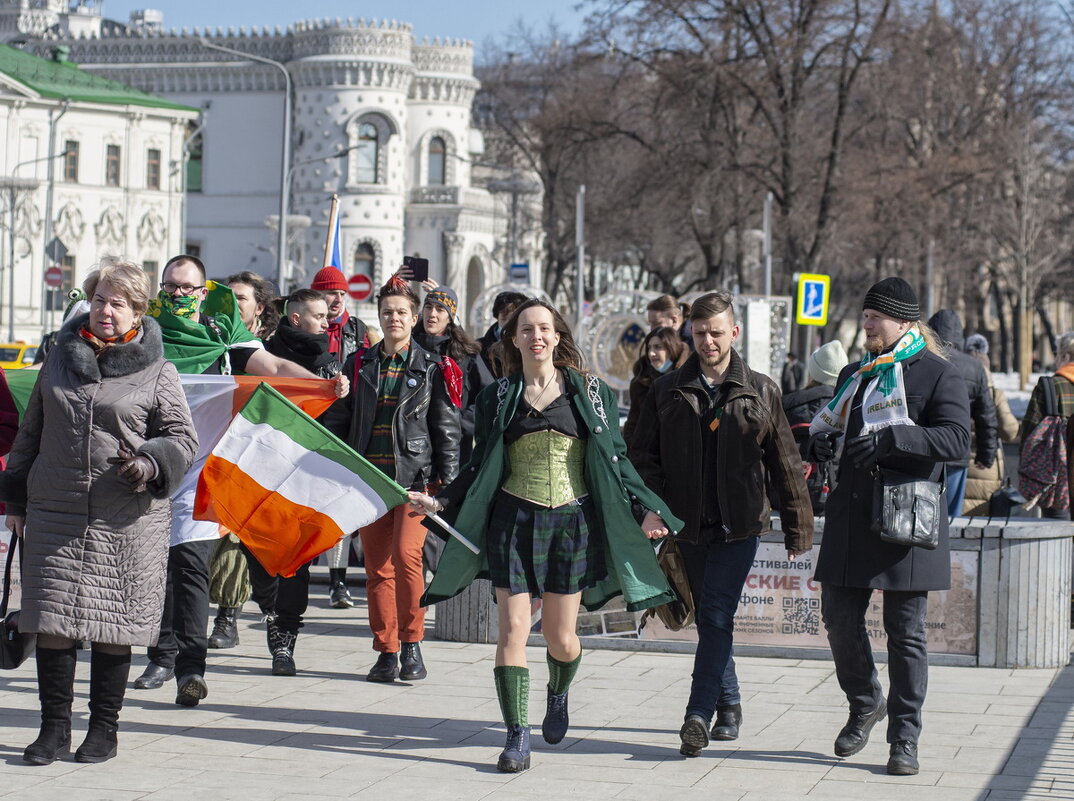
pixel 755 447
pixel 425 427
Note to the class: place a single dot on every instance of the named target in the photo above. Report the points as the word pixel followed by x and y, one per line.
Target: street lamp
pixel 13 184
pixel 285 170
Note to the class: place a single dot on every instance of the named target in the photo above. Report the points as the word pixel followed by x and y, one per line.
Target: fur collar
pixel 119 360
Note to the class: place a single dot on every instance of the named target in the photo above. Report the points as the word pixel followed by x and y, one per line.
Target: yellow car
pixel 14 355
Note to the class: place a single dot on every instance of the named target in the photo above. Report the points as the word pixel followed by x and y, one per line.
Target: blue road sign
pixel 813 293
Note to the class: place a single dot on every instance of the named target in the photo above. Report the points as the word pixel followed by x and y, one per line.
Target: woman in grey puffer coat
pixel 106 437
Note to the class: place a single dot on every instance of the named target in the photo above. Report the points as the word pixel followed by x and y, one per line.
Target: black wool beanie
pixel 893 297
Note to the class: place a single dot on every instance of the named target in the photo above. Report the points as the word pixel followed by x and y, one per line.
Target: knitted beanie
pixel 327 279
pixel 826 362
pixel 893 297
pixel 444 296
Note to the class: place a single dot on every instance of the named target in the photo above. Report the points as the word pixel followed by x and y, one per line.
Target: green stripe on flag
pixel 269 407
pixel 21 383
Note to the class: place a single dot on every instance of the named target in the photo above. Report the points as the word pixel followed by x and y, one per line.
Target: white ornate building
pixel 112 191
pixel 398 108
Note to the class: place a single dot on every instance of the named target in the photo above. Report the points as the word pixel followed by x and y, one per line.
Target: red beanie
pixel 327 279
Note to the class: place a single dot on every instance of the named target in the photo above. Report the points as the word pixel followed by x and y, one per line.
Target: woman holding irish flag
pixel 401 418
pixel 546 499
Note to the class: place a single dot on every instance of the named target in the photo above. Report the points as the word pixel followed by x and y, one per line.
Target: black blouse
pixel 560 415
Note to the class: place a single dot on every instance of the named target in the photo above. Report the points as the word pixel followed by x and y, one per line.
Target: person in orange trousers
pixel 403 416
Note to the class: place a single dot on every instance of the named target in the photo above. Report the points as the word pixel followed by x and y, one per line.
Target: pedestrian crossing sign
pixel 813 293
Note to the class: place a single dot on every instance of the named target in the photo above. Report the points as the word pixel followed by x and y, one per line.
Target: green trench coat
pixel 611 479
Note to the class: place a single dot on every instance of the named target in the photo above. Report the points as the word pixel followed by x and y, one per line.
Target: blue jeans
pixel 956 489
pixel 717 572
pixel 843 610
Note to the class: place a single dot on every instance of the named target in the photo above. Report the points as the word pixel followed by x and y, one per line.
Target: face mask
pixel 664 367
pixel 180 306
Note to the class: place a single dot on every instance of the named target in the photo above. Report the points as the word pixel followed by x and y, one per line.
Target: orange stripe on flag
pixel 282 535
pixel 311 395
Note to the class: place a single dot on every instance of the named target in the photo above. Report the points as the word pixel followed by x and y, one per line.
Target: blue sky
pixel 477 20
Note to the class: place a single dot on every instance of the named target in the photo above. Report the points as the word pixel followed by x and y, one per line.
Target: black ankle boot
pixel 108 681
pixel 556 718
pixel 728 720
pixel 55 688
pixel 225 628
pixel 282 647
pixel 515 757
pixel 386 669
pixel 411 667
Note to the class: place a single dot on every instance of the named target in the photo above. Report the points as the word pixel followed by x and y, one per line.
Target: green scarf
pixel 883 372
pixel 194 346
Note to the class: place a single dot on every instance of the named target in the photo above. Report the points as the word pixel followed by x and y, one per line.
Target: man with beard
pixel 711 434
pixel 203 333
pixel 903 407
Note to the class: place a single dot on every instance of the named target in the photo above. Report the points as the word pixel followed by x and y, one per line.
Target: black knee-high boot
pixel 108 682
pixel 56 689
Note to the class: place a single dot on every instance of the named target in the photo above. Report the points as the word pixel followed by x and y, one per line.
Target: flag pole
pixel 333 220
pixel 450 529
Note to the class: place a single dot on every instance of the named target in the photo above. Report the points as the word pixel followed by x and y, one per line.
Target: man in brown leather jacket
pixel 712 435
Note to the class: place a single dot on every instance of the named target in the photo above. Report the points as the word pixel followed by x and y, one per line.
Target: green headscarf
pixel 193 346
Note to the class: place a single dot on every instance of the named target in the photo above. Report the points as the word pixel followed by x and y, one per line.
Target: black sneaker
pixel 340 596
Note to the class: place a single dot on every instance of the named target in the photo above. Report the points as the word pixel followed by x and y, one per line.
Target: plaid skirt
pixel 535 549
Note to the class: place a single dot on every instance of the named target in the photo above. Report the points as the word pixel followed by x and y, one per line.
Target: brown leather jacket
pixel 755 447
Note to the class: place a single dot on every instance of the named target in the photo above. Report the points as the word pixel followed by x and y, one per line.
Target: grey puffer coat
pixel 95 551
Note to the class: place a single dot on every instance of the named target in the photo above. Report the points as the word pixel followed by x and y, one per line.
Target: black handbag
pixel 16 646
pixel 907 509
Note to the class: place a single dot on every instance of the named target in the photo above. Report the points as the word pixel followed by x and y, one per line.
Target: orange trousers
pixel 395 579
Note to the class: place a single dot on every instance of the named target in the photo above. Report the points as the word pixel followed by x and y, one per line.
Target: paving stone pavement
pixel 990 735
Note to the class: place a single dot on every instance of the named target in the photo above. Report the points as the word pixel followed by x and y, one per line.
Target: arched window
pixel 365 260
pixel 437 162
pixel 368 153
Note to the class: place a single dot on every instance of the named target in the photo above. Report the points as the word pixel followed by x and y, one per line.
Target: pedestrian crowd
pixel 511 441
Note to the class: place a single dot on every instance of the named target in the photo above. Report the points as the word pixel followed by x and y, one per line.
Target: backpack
pixel 1042 471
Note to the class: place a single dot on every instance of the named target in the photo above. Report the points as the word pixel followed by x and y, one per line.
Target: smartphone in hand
pixel 419 268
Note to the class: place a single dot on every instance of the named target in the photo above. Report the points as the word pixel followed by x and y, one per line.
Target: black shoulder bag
pixel 907 509
pixel 15 646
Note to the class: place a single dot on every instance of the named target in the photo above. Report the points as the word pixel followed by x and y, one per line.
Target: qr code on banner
pixel 801 616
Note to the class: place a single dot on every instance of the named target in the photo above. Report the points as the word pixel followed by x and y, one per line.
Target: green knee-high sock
pixel 561 674
pixel 513 690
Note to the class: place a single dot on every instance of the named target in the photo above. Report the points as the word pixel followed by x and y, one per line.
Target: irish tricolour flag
pixel 286 486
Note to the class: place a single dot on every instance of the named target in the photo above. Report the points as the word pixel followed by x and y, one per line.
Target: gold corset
pixel 547 468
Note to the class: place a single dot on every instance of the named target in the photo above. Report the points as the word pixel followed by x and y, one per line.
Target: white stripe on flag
pixel 304 477
pixel 210 398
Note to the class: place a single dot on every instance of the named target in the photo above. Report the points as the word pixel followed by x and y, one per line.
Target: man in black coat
pixel 907 409
pixel 948 328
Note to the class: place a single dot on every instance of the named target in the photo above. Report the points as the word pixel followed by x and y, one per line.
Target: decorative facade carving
pixel 69 226
pixel 111 230
pixel 27 224
pixel 152 230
